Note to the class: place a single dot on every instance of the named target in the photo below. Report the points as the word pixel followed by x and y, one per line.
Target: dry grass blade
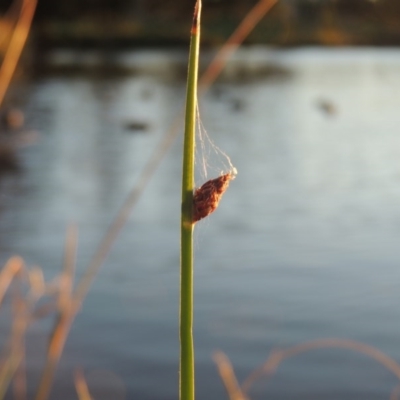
pixel 7 371
pixel 13 266
pixel 22 305
pixel 235 40
pixel 37 283
pixel 67 311
pixel 81 386
pixel 21 321
pixel 7 23
pixel 17 43
pixel 67 276
pixel 395 393
pixel 278 356
pixel 228 376
pixel 13 368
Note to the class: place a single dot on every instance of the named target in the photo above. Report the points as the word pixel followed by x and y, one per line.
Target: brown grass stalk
pixel 278 356
pixel 13 368
pixel 81 386
pixel 13 266
pixel 236 392
pixel 255 15
pixel 16 45
pixel 66 312
pixel 395 393
pixel 228 377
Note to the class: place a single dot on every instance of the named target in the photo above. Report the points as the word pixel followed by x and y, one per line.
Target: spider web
pixel 209 157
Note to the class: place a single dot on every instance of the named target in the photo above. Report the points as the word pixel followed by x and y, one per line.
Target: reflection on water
pixel 304 245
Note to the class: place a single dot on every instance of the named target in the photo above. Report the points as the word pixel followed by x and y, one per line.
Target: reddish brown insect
pixel 207 197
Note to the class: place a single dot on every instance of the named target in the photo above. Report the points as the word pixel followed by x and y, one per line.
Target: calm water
pixel 305 244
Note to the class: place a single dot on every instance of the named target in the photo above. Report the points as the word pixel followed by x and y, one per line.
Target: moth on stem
pixel 207 197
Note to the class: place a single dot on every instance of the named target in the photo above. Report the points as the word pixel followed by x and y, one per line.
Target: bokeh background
pixel 305 242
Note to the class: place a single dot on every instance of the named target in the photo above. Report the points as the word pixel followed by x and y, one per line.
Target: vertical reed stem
pixel 186 376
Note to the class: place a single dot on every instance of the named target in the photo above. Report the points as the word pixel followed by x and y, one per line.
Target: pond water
pixel 305 244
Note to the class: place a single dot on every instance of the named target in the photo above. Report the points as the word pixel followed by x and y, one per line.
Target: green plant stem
pixel 186 376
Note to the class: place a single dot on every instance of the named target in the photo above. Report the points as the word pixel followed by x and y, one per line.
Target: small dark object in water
pixel 327 107
pixel 238 104
pixel 137 126
pixel 8 159
pixel 218 92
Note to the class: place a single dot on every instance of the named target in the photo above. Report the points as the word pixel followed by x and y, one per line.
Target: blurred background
pixel 304 244
pixel 118 23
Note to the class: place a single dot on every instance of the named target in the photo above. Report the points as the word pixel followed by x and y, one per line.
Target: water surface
pixel 303 246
